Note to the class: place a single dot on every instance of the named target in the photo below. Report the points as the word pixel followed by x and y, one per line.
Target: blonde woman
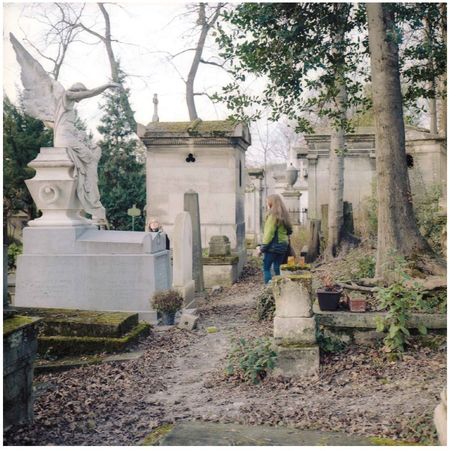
pixel 277 229
pixel 153 225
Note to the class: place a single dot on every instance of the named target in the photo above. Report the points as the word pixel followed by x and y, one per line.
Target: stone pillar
pixel 191 205
pixel 291 199
pixel 253 206
pixel 182 257
pixel 294 326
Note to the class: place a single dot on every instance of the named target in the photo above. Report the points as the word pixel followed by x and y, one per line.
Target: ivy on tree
pixel 121 174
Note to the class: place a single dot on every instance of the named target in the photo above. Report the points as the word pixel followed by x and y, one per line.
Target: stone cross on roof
pixel 155 117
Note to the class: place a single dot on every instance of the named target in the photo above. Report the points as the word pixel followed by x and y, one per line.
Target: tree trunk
pixel 336 174
pixel 196 62
pixel 443 79
pixel 397 227
pixel 108 45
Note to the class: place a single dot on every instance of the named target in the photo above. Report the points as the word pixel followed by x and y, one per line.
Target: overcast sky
pixel 147 33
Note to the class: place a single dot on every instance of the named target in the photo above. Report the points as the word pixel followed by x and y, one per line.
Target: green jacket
pixel 269 231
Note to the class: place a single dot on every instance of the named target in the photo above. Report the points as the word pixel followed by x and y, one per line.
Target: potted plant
pixel 167 303
pixel 329 294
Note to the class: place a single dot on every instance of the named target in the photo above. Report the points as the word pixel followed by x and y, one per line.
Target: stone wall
pixel 19 351
pixel 429 165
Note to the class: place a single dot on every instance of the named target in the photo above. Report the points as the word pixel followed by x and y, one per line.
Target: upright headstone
pixel 182 257
pixel 191 205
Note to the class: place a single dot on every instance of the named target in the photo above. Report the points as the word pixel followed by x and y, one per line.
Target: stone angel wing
pixel 40 90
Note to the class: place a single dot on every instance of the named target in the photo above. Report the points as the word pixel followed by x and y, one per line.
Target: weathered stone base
pixel 187 291
pixel 220 273
pixel 287 331
pixel 91 269
pixel 300 360
pixel 19 351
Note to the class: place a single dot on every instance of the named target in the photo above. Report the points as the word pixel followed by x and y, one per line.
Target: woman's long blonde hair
pixel 278 210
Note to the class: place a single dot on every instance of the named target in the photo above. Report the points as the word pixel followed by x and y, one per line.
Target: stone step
pixel 82 323
pixel 71 346
pixel 197 433
pixel 68 363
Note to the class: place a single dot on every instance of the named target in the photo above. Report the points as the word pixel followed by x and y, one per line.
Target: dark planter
pixel 167 318
pixel 329 300
pixel 357 305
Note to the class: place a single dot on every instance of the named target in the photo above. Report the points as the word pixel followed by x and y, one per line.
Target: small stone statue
pixel 155 117
pixel 47 100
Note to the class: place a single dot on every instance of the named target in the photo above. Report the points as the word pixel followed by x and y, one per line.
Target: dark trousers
pixel 271 259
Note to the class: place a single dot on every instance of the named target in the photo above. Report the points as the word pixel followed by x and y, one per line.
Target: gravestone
pixel 191 206
pixel 221 266
pixel 183 257
pixel 219 246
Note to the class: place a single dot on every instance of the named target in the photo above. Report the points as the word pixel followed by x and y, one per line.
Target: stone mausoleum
pixel 426 158
pixel 207 157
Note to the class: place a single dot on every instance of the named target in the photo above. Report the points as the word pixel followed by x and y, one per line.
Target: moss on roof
pixel 200 127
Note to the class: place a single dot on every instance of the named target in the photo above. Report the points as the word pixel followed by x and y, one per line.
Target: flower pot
pixel 329 300
pixel 357 305
pixel 167 318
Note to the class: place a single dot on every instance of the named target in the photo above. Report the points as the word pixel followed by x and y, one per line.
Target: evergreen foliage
pixel 121 175
pixel 23 136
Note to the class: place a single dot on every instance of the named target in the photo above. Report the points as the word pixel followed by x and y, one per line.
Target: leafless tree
pixel 60 20
pixel 205 18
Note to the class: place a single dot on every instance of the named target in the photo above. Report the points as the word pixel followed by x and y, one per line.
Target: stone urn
pixel 53 190
pixel 291 175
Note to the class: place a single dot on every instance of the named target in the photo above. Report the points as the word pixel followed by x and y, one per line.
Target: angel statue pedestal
pixel 53 190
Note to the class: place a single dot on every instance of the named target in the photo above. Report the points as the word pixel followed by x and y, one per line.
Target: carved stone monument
pixel 182 257
pixel 66 261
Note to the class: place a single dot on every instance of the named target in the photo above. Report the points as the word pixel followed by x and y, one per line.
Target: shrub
pixel 365 267
pixel 13 251
pixel 251 359
pixel 265 304
pixel 329 344
pixel 428 215
pixel 168 301
pixel 399 300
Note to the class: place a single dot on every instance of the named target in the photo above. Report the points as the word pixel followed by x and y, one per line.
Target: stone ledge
pixel 366 320
pixel 18 322
pixel 227 260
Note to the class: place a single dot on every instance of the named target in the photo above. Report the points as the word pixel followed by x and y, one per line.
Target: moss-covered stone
pixel 82 323
pixel 202 127
pixel 155 436
pixel 296 267
pixel 382 441
pixel 65 346
pixel 304 279
pixel 17 322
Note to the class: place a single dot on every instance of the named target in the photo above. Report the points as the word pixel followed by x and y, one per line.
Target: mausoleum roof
pixel 197 130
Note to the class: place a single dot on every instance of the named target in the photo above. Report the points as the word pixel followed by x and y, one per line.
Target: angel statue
pixel 47 100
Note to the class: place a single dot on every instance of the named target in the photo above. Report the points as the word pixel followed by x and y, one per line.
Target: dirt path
pixel 181 377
